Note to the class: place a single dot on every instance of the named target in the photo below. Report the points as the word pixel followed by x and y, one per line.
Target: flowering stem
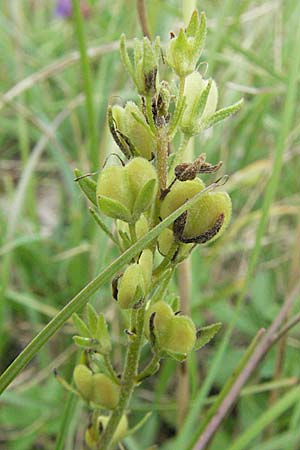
pixel 129 376
pixel 179 155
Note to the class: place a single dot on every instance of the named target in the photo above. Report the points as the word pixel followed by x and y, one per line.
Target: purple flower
pixel 63 8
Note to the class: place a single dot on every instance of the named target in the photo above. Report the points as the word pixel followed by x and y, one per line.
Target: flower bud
pixel 165 241
pixel 105 392
pixel 201 98
pixel 131 287
pixel 184 50
pixel 121 429
pixel 83 379
pixel 144 68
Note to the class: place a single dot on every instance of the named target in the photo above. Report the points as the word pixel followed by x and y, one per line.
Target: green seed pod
pixel 121 429
pixel 163 316
pixel 179 194
pixel 206 213
pixel 180 336
pixel 143 182
pixel 201 98
pixel 165 241
pixel 113 193
pixel 131 287
pixel 83 379
pixel 184 50
pixel 91 438
pixel 105 392
pixel 141 227
pixel 139 132
pixel 146 264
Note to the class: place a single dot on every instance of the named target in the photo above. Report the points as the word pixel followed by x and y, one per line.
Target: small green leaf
pixel 223 113
pixel 203 99
pixel 206 334
pixel 87 185
pixel 145 198
pixel 92 319
pixel 114 209
pixel 102 335
pixel 102 225
pixel 81 326
pixel 176 356
pixel 125 58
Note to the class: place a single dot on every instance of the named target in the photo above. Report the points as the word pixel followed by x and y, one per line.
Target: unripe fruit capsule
pixel 105 392
pixel 83 379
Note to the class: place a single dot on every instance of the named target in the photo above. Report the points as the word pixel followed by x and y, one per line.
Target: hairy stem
pixel 129 376
pixel 162 157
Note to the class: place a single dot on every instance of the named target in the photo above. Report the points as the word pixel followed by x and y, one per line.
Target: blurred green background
pixel 50 247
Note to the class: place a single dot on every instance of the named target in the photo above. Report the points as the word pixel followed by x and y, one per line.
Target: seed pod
pixel 165 241
pixel 206 220
pixel 180 336
pixel 146 264
pixel 105 392
pixel 131 287
pixel 143 182
pixel 113 193
pixel 141 227
pixel 83 379
pixel 163 314
pixel 179 194
pixel 121 429
pixel 139 132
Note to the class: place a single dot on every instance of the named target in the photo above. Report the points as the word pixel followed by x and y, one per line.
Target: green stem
pixel 179 155
pixel 110 369
pixel 150 369
pixel 87 83
pixel 129 376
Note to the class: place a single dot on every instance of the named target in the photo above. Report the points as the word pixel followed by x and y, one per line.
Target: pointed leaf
pixel 92 319
pixel 102 225
pixel 193 25
pixel 206 334
pixel 87 185
pixel 114 209
pixel 102 335
pixel 81 326
pixel 145 197
pixel 223 114
pixel 125 58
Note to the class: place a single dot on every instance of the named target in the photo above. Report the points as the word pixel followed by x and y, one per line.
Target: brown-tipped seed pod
pixel 105 392
pixel 131 287
pixel 83 379
pixel 163 315
pixel 206 220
